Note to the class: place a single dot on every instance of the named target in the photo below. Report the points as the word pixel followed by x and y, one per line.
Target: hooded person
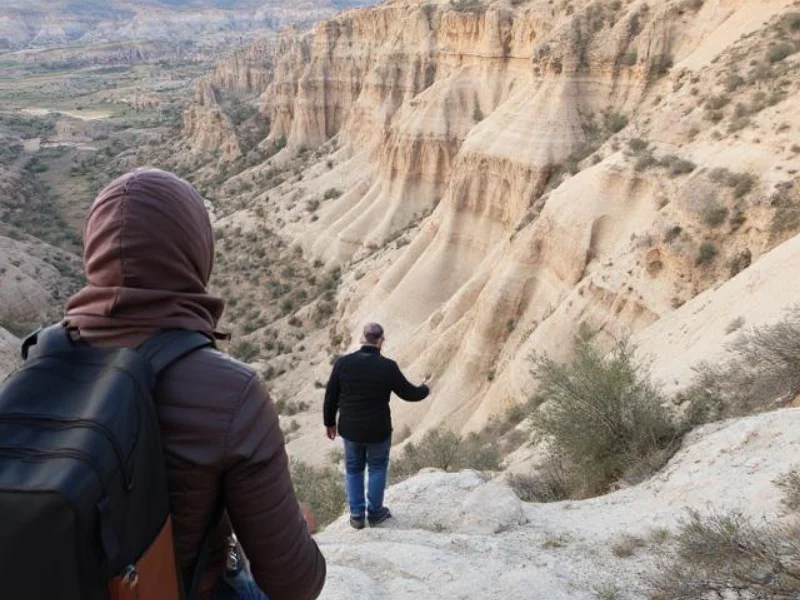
pixel 148 254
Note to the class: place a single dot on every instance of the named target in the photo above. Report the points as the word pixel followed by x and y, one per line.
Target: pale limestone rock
pixel 563 551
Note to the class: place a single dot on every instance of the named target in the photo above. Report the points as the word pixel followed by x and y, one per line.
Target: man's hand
pixel 427 381
pixel 330 432
pixel 308 515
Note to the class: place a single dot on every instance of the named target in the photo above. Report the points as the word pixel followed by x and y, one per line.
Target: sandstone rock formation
pixel 516 174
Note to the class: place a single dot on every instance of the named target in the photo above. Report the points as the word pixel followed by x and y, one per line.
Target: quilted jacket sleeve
pixel 262 506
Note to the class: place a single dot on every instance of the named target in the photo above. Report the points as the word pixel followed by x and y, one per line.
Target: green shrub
pixel 672 233
pixel 332 194
pixel 733 82
pixel 443 449
pixel 789 483
pixel 603 417
pixel 676 165
pixel 706 254
pixel 780 51
pixel 717 102
pixel 762 368
pixel 645 161
pixel 322 488
pixel 728 556
pixel 551 482
pixel 629 58
pixel 714 216
pixel 615 122
pixel 742 183
pixel 243 350
pixel 473 6
pixel 637 145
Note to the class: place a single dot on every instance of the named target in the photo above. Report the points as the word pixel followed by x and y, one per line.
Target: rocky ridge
pixel 457 535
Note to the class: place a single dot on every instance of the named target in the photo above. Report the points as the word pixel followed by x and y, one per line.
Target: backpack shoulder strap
pixel 166 347
pixel 162 350
pixel 55 338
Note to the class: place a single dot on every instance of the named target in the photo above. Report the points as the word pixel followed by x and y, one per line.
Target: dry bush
pixel 473 6
pixel 322 488
pixel 445 450
pixel 550 483
pixel 729 557
pixel 762 371
pixel 604 418
pixel 627 545
pixel 789 483
pixel 706 254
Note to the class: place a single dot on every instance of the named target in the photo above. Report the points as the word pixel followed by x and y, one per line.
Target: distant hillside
pixel 49 23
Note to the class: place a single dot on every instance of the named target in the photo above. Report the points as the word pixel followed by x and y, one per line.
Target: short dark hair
pixel 373 333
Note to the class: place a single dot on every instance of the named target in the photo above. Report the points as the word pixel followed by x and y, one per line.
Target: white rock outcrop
pixel 458 536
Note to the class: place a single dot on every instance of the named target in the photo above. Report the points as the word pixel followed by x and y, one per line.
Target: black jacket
pixel 359 389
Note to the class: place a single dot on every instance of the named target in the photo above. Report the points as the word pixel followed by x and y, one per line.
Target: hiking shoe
pixel 356 522
pixel 382 516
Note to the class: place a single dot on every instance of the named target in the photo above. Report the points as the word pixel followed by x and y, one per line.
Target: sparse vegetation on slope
pixel 762 372
pixel 603 419
pixel 731 556
pixel 322 488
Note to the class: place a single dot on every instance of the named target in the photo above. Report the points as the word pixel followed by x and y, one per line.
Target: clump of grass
pixel 789 483
pixel 321 487
pixel 780 51
pixel 728 556
pixel 630 58
pixel 676 165
pixel 638 145
pixel 717 102
pixel 603 418
pixel 551 482
pixel 471 6
pixel 762 369
pixel 445 450
pixel 615 122
pixel 627 545
pixel 714 215
pixel 706 254
pixel 742 183
pixel 292 408
pixel 672 233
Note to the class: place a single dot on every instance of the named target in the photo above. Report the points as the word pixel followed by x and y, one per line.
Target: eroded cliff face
pixel 514 176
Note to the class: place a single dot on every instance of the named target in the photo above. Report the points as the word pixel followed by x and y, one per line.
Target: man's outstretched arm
pixel 405 389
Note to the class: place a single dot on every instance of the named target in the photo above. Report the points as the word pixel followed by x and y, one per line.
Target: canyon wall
pixel 514 175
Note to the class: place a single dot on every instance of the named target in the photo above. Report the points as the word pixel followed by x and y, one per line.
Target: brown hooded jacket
pixel 148 254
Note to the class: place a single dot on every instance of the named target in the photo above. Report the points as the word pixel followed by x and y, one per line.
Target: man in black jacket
pixel 359 390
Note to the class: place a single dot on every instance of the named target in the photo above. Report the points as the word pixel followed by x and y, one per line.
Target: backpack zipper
pixel 108 537
pixel 39 454
pixel 67 423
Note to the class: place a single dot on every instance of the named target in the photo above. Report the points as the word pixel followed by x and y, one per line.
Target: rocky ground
pixel 458 536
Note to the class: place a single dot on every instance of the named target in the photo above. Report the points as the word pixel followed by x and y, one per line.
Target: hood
pixel 148 256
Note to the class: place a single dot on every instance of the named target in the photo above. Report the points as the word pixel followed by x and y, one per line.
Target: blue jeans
pixel 238 587
pixel 357 457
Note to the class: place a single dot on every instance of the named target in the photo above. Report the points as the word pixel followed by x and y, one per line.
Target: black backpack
pixel 83 488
